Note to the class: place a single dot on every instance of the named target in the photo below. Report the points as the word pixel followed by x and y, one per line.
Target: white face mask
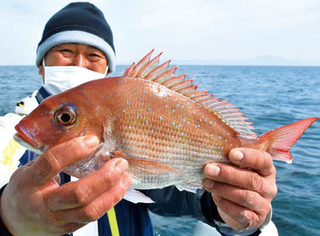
pixel 58 79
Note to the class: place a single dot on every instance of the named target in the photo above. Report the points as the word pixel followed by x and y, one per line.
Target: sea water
pixel 271 97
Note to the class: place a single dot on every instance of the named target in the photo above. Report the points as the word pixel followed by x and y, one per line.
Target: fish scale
pixel 191 150
pixel 167 138
pixel 165 128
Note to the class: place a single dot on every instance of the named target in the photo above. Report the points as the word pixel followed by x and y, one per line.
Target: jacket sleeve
pixel 10 150
pixel 171 202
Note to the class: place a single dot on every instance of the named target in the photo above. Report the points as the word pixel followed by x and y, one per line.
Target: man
pixel 77 46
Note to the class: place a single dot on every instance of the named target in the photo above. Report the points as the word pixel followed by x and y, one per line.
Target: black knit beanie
pixel 79 22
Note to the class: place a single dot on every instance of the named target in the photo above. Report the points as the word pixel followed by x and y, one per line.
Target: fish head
pixel 58 119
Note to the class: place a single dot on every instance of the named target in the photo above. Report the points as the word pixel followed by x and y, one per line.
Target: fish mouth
pixel 25 136
pixel 25 139
pixel 19 139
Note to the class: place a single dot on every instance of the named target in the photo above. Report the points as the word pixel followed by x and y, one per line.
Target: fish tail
pixel 279 141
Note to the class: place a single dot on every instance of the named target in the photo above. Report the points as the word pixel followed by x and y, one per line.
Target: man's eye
pixel 66 51
pixel 94 55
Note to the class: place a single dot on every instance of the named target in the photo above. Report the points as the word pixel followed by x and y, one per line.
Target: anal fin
pixel 136 196
pixel 190 187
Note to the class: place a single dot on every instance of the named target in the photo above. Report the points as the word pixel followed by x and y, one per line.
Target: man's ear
pixel 41 71
pixel 40 68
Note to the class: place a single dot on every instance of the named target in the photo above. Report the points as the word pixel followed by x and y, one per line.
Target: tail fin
pixel 281 139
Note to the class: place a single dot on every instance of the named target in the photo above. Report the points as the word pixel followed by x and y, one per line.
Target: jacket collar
pixel 42 94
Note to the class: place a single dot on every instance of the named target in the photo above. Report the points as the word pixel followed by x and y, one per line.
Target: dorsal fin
pixel 150 70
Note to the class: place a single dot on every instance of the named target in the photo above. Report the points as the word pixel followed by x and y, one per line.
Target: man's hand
pixel 242 193
pixel 33 203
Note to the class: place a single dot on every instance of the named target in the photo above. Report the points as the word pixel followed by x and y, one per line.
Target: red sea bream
pixel 158 121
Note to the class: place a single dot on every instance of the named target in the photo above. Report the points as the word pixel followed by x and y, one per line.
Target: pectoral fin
pixel 149 166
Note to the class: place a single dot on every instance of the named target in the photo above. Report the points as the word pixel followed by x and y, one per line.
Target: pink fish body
pixel 158 121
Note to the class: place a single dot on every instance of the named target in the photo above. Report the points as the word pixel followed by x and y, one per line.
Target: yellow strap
pixel 113 222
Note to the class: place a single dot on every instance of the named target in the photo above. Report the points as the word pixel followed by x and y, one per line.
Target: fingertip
pixel 121 165
pixel 258 160
pixel 207 183
pixel 236 155
pixel 215 197
pixel 211 170
pixel 91 141
pixel 128 181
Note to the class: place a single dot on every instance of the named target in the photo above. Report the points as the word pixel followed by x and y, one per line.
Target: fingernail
pixel 245 218
pixel 121 165
pixel 216 197
pixel 91 141
pixel 237 156
pixel 127 181
pixel 207 183
pixel 212 170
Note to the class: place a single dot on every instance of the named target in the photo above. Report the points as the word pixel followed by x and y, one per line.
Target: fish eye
pixel 65 116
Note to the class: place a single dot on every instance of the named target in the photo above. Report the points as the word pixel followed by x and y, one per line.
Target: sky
pixel 184 30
